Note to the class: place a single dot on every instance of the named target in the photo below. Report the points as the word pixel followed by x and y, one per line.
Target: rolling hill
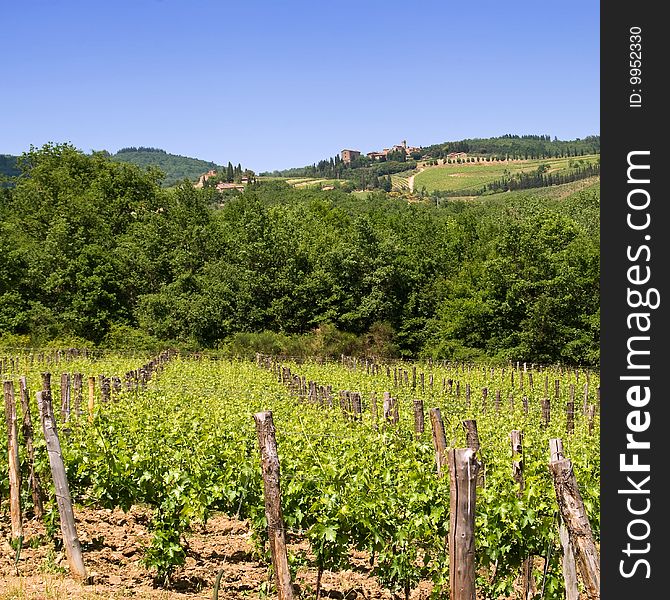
pixel 8 166
pixel 175 166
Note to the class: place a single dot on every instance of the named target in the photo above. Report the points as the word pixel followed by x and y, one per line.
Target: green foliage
pixel 96 250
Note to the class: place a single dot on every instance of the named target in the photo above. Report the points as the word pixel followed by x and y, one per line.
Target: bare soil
pixel 113 542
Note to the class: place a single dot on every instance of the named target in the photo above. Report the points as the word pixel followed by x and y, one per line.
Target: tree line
pixel 517 147
pixel 541 178
pixel 94 251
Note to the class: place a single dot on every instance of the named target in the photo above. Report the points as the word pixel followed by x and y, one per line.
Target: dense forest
pixel 96 251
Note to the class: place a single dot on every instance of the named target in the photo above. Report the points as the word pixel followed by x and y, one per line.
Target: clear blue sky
pixel 276 84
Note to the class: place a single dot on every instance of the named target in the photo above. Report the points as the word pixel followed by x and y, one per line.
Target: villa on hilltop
pixel 349 155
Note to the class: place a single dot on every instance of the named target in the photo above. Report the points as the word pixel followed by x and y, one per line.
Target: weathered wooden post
pixel 574 517
pixel 471 434
pixel 272 493
pixel 63 498
pixel 387 407
pixel 373 409
pixel 591 413
pixel 546 411
pixel 439 439
pixel 46 381
pixel 516 439
pixel 105 389
pixel 27 429
pixel 570 418
pixel 418 417
pixel 472 441
pixel 527 580
pixel 357 406
pixel 91 398
pixel 65 397
pixel 463 471
pixel 13 463
pixel 77 385
pixel 585 402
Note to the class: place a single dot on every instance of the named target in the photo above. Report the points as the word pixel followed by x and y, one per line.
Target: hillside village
pixel 399 150
pixel 402 149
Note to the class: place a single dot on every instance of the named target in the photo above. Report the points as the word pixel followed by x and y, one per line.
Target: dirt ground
pixel 112 543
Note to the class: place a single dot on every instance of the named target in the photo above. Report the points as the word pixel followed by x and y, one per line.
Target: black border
pixel 625 129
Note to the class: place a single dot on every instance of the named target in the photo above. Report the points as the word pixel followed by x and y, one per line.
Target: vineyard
pixel 364 481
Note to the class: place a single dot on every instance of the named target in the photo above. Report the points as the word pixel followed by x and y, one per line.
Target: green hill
pixel 8 166
pixel 175 167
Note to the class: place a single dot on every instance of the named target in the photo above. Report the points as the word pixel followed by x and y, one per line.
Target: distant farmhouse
pixel 349 155
pixel 204 177
pixel 221 185
pixel 453 155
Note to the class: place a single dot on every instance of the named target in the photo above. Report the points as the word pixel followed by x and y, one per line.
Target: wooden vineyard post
pixel 463 470
pixel 591 412
pixel 568 563
pixel 418 417
pixel 46 381
pixel 546 411
pixel 516 440
pixel 63 498
pixel 13 462
pixel 569 568
pixel 576 521
pixel 357 406
pixel 586 398
pixel 472 441
pixel 570 418
pixel 77 383
pixel 27 429
pixel 373 408
pixel 390 409
pixel 271 490
pixel 65 397
pixel 91 398
pixel 105 389
pixel 439 439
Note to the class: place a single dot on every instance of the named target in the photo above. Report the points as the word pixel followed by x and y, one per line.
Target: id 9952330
pixel 635 67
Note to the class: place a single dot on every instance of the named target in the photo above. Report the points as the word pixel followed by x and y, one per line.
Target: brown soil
pixel 113 541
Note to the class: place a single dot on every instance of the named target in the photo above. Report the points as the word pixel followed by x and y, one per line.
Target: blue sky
pixel 274 84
